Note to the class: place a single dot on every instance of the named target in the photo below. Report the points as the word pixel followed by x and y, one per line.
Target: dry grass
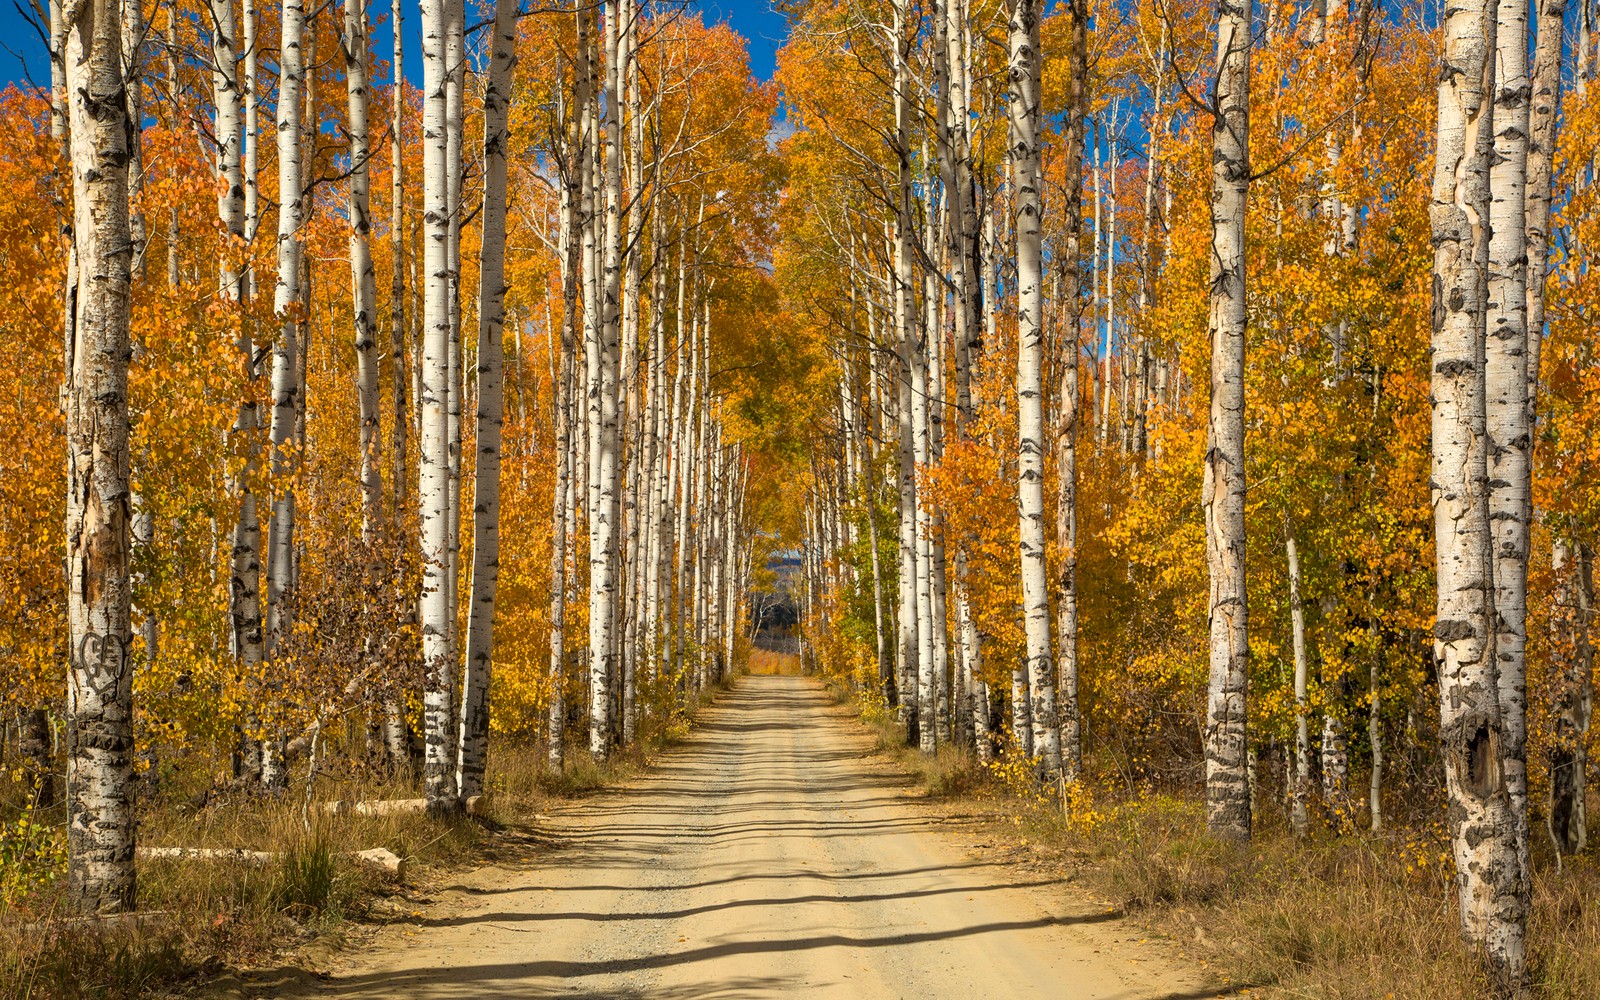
pixel 1332 918
pixel 221 914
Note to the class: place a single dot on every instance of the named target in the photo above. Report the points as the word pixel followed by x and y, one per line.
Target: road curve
pixel 769 855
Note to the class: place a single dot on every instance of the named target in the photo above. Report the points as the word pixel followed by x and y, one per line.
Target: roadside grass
pixel 1333 917
pixel 203 917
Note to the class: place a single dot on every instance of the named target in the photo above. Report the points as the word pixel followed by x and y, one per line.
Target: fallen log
pixel 475 806
pixel 238 854
pixel 379 858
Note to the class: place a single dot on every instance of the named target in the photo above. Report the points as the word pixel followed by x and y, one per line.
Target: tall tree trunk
pixel 133 34
pixel 570 144
pixel 397 288
pixel 433 494
pixel 1067 396
pixel 1506 396
pixel 285 355
pixel 236 209
pixel 1566 813
pixel 252 144
pixel 100 828
pixel 1492 888
pixel 1023 98
pixel 1226 742
pixel 363 288
pixel 229 135
pixel 1299 814
pixel 474 748
pixel 454 125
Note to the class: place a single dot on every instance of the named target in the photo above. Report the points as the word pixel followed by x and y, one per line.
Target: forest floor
pixel 773 852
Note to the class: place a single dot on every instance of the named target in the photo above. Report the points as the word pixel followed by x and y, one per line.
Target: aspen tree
pixel 236 210
pixel 1023 99
pixel 1568 758
pixel 311 121
pixel 474 747
pixel 913 617
pixel 1566 812
pixel 1067 396
pixel 1226 743
pixel 57 44
pixel 288 306
pixel 1490 883
pixel 433 494
pixel 100 827
pixel 568 143
pixel 454 122
pixel 1544 114
pixel 363 292
pixel 397 253
pixel 229 135
pixel 1299 817
pixel 252 147
pixel 1506 395
pixel 133 35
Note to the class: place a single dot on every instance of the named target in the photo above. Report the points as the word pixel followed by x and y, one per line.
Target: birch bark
pixel 474 748
pixel 433 493
pixel 1566 811
pixel 1491 888
pixel 363 288
pixel 397 252
pixel 1506 377
pixel 1023 99
pixel 1299 816
pixel 288 307
pixel 1067 396
pixel 1226 742
pixel 100 817
pixel 229 129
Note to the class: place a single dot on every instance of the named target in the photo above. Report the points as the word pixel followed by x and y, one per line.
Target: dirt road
pixel 771 855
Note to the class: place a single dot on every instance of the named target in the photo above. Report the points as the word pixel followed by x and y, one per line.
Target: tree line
pixel 1188 433
pixel 315 529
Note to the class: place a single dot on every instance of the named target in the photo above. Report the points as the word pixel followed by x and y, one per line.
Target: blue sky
pixel 22 52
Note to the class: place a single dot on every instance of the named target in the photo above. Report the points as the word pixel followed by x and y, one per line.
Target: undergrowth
pixel 207 915
pixel 1332 917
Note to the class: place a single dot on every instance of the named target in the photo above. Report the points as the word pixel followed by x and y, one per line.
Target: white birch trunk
pixel 238 213
pixel 1509 455
pixel 433 493
pixel 363 285
pixel 397 250
pixel 1566 811
pixel 100 829
pixel 1299 816
pixel 1492 888
pixel 1226 742
pixel 285 354
pixel 229 135
pixel 252 140
pixel 474 748
pixel 1067 401
pixel 454 125
pixel 1023 98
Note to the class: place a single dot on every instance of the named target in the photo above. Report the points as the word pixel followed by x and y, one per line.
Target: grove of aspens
pixel 1156 440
